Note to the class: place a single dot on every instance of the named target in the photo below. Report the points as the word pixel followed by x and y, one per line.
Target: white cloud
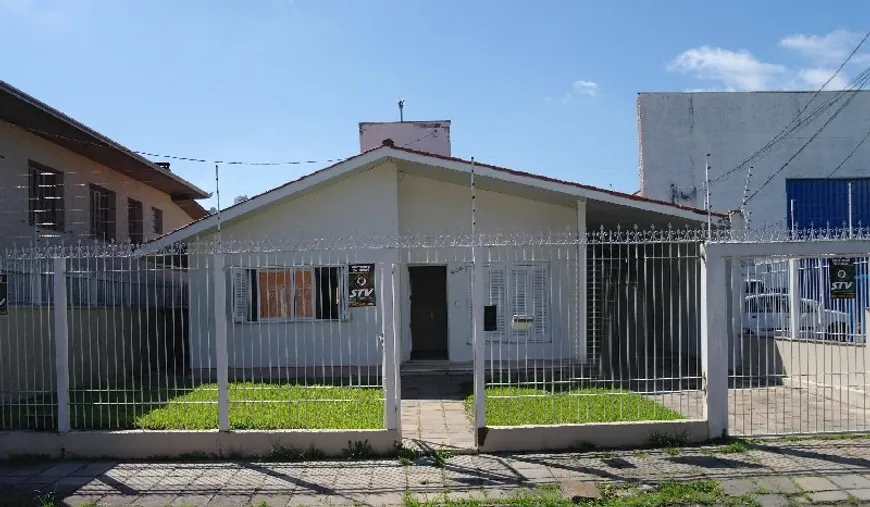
pixel 815 78
pixel 825 49
pixel 737 70
pixel 741 71
pixel 583 87
pixel 579 87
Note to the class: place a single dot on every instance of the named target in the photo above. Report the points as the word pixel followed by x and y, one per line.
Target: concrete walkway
pixel 433 413
pixel 775 473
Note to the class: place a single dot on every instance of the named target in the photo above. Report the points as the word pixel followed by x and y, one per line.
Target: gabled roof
pixel 381 153
pixel 28 113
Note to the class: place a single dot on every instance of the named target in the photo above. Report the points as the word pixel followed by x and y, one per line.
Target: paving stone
pixel 580 490
pixel 813 484
pixel 117 500
pixel 777 484
pixel 62 469
pixel 771 500
pixel 154 500
pixel 828 496
pixel 193 499
pixel 859 494
pixel 737 487
pixel 851 481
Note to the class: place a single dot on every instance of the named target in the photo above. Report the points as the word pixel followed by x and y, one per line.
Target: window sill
pixel 298 321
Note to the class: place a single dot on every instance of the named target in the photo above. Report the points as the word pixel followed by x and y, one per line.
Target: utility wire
pixel 792 125
pixel 866 77
pixel 849 156
pixel 176 157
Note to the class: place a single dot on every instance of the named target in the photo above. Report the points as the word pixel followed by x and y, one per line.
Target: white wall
pixel 677 130
pixel 429 207
pixel 17 147
pixel 428 136
pixel 361 206
pixel 382 202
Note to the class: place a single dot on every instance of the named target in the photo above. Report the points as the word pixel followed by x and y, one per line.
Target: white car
pixel 768 315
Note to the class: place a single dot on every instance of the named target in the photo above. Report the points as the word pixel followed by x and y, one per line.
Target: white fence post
pixel 794 300
pixel 738 296
pixel 714 340
pixel 61 346
pixel 389 373
pixel 582 268
pixel 478 340
pixel 220 327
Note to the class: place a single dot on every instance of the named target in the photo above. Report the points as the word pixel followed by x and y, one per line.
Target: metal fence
pixel 797 352
pixel 142 349
pixel 270 335
pixel 601 330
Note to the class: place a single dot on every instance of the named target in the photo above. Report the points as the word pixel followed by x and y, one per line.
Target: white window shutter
pixel 519 295
pixel 540 302
pixel 240 295
pixel 497 296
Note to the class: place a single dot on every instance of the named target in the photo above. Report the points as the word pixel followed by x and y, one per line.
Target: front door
pixel 428 312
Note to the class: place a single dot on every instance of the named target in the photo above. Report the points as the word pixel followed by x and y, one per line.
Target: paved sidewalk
pixel 433 413
pixel 776 473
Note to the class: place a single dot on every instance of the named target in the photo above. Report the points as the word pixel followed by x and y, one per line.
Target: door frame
pixel 406 306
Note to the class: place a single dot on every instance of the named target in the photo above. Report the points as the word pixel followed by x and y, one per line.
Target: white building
pixel 676 131
pixel 289 307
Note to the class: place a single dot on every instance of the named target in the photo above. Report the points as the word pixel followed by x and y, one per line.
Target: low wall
pixel 176 444
pixel 104 345
pixel 605 435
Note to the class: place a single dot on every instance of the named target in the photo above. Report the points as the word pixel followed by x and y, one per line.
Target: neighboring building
pixel 288 307
pixel 63 182
pixel 677 130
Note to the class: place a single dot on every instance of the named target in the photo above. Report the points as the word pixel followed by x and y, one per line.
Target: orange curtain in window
pixel 275 293
pixel 304 300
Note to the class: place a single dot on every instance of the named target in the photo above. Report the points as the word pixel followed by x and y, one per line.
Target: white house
pixel 291 303
pixel 806 150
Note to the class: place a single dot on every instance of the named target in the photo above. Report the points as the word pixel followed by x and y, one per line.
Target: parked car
pixel 768 315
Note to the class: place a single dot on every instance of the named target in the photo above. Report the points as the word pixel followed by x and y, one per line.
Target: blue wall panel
pixel 821 203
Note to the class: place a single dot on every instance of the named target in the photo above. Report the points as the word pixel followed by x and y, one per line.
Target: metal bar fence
pixel 639 358
pixel 800 365
pixel 307 347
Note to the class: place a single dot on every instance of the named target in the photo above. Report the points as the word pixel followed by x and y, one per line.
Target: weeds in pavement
pixel 358 450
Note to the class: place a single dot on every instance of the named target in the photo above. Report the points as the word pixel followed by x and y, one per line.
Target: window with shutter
pixel 240 295
pixel 497 296
pixel 289 294
pixel 540 303
pixel 521 290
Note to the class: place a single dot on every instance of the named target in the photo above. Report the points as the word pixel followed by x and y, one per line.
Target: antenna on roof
pixel 401 109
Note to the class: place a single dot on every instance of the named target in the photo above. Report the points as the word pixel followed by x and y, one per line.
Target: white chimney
pixel 427 136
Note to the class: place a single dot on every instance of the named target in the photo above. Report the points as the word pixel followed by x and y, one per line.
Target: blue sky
pixel 544 86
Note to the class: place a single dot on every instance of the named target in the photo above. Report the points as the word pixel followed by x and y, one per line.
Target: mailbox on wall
pixel 490 318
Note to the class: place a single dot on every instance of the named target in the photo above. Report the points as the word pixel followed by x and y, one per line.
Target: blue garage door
pixel 822 203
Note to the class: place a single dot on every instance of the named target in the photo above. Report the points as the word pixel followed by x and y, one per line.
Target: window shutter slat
pixel 519 291
pixel 240 295
pixel 540 284
pixel 497 296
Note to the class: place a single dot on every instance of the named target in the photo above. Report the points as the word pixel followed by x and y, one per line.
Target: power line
pixel 865 78
pixel 849 156
pixel 788 128
pixel 177 157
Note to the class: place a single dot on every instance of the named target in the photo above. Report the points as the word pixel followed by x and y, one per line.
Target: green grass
pixel 705 492
pixel 517 406
pixel 260 406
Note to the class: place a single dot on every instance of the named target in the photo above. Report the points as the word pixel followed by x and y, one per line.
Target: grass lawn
pixel 528 406
pixel 261 406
